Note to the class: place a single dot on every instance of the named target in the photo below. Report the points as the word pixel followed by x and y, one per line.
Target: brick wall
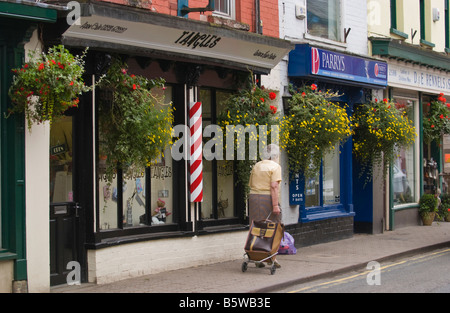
pixel 245 11
pixel 307 234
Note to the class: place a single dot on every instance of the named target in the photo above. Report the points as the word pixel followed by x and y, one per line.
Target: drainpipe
pixel 258 24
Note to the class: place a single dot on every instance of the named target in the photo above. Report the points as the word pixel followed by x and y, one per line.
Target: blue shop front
pixel 336 197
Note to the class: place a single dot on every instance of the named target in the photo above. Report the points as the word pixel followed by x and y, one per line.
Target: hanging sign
pixel 196 165
pixel 296 189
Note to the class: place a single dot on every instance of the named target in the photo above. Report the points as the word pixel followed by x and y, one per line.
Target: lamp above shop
pixel 184 9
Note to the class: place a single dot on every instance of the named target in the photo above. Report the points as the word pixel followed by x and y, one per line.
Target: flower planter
pixel 428 218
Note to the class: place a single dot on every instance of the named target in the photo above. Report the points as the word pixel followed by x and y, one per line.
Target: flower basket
pixel 135 126
pixel 380 130
pixel 313 127
pixel 436 122
pixel 252 108
pixel 46 86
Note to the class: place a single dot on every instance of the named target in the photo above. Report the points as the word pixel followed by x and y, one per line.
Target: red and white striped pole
pixel 196 165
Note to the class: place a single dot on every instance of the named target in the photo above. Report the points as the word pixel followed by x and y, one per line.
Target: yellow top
pixel 264 173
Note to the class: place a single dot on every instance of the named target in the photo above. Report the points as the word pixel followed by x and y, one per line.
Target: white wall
pixel 155 256
pixel 37 143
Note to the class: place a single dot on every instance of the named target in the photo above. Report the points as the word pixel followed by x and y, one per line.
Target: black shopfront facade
pixel 114 236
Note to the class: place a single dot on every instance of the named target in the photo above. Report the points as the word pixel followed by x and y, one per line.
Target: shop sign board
pixel 205 42
pixel 310 62
pixel 418 78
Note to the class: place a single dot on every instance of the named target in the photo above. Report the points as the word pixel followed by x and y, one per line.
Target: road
pixel 425 273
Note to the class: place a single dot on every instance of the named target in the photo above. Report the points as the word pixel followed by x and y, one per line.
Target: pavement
pixel 309 263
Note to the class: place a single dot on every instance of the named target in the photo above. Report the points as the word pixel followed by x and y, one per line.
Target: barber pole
pixel 196 167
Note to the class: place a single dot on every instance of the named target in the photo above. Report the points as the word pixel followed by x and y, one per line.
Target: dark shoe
pixel 260 264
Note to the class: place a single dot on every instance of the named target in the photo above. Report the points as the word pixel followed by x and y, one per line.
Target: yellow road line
pixel 337 281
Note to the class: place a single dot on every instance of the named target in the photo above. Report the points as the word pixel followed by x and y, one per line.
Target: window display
pixel 403 173
pixel 127 201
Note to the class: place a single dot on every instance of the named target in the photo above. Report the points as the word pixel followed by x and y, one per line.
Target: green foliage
pixel 380 130
pixel 445 205
pixel 46 86
pixel 313 127
pixel 249 106
pixel 134 125
pixel 427 203
pixel 436 122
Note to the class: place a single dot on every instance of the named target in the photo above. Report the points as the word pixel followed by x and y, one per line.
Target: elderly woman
pixel 264 184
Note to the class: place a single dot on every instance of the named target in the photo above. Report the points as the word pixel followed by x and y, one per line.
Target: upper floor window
pixel 224 8
pixel 323 18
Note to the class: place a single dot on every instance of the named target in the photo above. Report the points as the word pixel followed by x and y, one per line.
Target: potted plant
pixel 47 85
pixel 428 208
pixel 313 127
pixel 444 210
pixel 380 129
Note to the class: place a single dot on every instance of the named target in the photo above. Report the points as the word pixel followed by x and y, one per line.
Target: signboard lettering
pixel 419 78
pixel 196 39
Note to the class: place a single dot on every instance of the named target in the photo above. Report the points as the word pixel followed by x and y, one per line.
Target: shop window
pixel 61 160
pixel 323 18
pixel 224 8
pixel 146 199
pixel 324 189
pixel 403 173
pixel 218 175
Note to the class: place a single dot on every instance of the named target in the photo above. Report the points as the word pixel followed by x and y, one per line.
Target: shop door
pixel 64 211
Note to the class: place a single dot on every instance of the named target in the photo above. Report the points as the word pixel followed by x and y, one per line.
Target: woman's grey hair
pixel 271 152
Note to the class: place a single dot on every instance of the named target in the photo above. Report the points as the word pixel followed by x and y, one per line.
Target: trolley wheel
pixel 273 270
pixel 244 266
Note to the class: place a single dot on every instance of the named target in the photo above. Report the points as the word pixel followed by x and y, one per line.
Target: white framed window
pixel 323 18
pixel 225 8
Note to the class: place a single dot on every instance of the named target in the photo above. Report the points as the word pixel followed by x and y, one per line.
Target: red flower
pixel 432 126
pixel 442 99
pixel 272 95
pixel 71 84
pixel 313 87
pixel 41 67
pixel 134 86
pixel 385 100
pixel 262 99
pixel 303 94
pixel 274 109
pixel 441 116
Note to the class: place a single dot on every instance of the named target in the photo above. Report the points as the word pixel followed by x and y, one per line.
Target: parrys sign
pixel 307 61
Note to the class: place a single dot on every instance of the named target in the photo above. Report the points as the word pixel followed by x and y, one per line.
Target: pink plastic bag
pixel 287 245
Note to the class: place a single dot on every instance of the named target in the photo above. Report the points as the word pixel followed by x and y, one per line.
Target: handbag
pixel 263 239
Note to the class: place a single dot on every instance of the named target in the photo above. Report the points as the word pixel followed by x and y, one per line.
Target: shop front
pixel 21 264
pixel 416 78
pixel 334 199
pixel 147 223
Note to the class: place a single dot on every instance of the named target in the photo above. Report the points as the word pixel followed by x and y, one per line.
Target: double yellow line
pixel 365 273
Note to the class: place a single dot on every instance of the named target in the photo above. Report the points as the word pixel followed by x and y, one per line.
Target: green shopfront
pixel 18 23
